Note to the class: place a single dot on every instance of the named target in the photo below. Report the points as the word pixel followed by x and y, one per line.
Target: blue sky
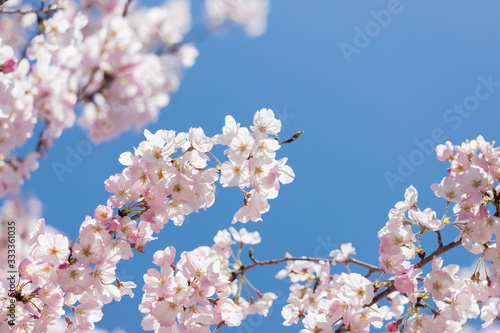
pixel 362 115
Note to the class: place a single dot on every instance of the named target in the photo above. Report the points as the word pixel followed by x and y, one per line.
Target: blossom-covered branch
pixel 166 178
pixel 440 250
pixel 107 66
pixel 439 301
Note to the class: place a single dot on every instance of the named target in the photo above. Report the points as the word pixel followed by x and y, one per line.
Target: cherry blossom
pixel 167 177
pixel 414 287
pixel 52 249
pixel 107 67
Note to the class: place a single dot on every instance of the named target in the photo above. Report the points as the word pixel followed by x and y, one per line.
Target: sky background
pixel 361 116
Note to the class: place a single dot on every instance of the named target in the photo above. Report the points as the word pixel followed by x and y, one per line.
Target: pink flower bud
pixel 103 213
pixel 404 284
pixel 113 225
pixel 134 236
pixel 392 327
pixel 9 66
pixel 444 152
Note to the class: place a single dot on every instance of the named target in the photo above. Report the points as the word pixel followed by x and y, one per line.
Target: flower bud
pixel 9 66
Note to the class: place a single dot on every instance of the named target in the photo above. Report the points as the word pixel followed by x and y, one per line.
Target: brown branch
pixel 293 138
pixel 496 202
pixel 383 294
pixel 440 250
pixel 341 329
pixel 440 240
pixel 42 145
pixel 81 91
pixel 255 263
pixel 353 261
pixel 127 5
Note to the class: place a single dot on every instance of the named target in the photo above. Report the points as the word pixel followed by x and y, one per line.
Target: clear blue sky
pixel 360 119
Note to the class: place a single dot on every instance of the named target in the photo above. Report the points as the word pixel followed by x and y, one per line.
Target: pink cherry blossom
pixel 103 213
pixel 407 283
pixel 411 196
pixel 440 282
pixel 53 249
pixel 345 251
pixel 448 189
pixel 444 152
pixel 245 237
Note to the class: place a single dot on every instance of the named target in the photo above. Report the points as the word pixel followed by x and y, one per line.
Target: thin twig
pixel 209 153
pixel 440 250
pixel 243 269
pixel 127 5
pixel 440 240
pixel 496 202
pixel 293 138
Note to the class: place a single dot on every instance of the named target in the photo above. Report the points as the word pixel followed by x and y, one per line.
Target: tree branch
pixel 127 6
pixel 440 250
pixel 440 240
pixel 293 138
pixel 255 263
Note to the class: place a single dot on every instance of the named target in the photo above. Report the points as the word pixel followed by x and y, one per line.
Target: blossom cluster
pixel 109 66
pixel 160 183
pixel 199 291
pixel 26 216
pixel 440 299
pixel 326 301
pixel 156 186
pixel 204 287
pixel 81 277
pixel 470 186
